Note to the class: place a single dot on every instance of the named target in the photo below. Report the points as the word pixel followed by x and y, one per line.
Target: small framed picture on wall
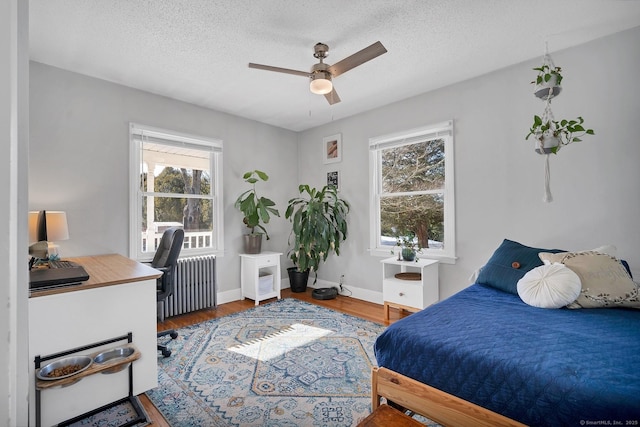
pixel 332 148
pixel 333 179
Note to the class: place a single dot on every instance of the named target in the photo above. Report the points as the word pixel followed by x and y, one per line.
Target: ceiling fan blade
pixel 278 69
pixel 358 58
pixel 332 97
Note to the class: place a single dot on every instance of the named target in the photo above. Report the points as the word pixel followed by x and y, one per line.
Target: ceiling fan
pixel 321 74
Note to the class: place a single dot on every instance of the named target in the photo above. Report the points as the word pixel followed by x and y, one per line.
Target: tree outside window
pixel 176 188
pixel 412 189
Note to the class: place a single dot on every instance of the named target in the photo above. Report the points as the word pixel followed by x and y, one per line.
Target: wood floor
pixel 352 306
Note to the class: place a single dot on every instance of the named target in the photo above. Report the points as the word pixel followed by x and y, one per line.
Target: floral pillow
pixel 606 283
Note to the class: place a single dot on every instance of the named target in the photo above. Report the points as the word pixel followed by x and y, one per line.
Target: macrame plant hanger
pixel 546 94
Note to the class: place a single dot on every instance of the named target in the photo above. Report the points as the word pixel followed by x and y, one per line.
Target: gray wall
pixel 79 161
pixel 499 179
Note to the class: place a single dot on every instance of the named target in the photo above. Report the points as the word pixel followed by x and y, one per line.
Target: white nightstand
pixel 410 295
pixel 260 275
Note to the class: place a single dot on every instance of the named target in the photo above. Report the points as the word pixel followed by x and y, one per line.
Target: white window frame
pixel 442 130
pixel 136 134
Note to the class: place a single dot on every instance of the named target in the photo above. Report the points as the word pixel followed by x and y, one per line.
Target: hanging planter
pixel 551 135
pixel 547 83
pixel 546 143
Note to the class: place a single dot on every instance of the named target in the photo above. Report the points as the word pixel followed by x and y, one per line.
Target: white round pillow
pixel 549 286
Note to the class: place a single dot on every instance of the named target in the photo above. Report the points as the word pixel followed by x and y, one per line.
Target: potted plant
pixel 257 211
pixel 551 135
pixel 547 82
pixel 319 225
pixel 408 247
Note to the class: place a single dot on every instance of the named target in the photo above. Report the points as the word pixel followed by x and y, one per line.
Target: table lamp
pixel 50 227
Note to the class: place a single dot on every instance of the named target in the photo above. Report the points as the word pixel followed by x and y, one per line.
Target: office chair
pixel 165 260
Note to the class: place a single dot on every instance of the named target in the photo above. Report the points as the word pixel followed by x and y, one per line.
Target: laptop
pixel 59 273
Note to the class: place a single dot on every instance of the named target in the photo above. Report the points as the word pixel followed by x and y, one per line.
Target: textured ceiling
pixel 198 50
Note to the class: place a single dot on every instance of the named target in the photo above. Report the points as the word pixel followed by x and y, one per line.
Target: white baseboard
pixel 350 291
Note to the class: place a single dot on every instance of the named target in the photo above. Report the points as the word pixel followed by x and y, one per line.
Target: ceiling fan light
pixel 320 85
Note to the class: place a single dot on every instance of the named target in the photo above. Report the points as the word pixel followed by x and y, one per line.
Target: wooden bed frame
pixel 430 402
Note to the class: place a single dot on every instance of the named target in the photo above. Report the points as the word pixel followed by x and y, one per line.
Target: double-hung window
pixel 176 181
pixel 412 191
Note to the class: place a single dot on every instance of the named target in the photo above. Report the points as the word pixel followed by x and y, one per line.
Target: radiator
pixel 195 286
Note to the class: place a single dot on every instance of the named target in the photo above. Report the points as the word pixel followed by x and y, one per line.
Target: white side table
pixel 411 295
pixel 260 275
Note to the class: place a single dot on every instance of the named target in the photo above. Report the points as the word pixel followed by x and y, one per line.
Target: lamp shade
pixel 33 226
pixel 48 226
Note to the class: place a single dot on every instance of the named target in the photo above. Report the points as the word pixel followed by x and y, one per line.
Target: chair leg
pixel 160 310
pixel 163 348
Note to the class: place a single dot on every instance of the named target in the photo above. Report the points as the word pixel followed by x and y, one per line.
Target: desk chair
pixel 165 260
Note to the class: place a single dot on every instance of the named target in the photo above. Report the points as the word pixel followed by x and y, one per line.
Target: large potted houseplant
pixel 551 135
pixel 319 225
pixel 257 211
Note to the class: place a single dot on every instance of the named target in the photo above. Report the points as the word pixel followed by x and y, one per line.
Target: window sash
pixel 142 133
pixel 442 130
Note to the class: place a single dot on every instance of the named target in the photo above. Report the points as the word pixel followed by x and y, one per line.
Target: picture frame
pixel 332 149
pixel 333 179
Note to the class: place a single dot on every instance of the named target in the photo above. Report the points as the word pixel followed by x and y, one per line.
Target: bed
pixel 485 357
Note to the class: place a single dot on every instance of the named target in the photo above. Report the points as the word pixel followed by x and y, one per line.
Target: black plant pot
pixel 298 279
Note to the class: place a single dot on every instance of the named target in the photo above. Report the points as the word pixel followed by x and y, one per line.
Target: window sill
pixel 442 258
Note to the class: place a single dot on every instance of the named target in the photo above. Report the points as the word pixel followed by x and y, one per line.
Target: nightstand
pixel 260 276
pixel 409 285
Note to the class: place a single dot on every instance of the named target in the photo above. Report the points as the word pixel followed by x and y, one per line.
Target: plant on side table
pixel 408 247
pixel 319 225
pixel 257 211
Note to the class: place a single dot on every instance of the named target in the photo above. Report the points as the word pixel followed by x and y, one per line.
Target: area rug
pixel 284 363
pixel 122 414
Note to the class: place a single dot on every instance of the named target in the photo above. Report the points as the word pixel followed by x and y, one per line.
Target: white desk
pixel 119 297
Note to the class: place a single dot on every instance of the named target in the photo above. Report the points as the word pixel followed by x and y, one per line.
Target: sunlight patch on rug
pixel 278 343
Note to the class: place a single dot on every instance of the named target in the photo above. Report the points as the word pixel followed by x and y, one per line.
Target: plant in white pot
pixel 551 135
pixel 319 225
pixel 548 81
pixel 257 211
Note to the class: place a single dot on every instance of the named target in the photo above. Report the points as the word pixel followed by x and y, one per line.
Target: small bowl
pixel 60 368
pixel 113 356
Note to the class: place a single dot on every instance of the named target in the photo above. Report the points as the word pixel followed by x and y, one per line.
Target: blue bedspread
pixel 537 366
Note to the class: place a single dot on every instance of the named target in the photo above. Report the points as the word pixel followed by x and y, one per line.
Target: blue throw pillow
pixel 509 263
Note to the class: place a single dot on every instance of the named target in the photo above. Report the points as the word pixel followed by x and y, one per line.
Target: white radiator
pixel 195 286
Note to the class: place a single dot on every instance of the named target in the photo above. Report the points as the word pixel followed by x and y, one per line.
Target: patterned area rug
pixel 119 415
pixel 284 363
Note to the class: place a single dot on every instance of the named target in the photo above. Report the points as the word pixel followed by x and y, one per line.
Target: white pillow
pixel 549 286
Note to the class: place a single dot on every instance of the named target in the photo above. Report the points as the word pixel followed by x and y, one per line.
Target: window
pixel 176 180
pixel 412 191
